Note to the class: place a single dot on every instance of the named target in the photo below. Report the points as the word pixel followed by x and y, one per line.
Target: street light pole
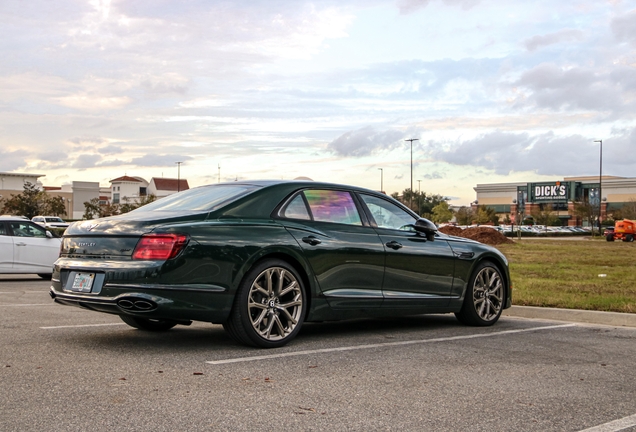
pixel 381 179
pixel 419 196
pixel 411 141
pixel 178 176
pixel 600 185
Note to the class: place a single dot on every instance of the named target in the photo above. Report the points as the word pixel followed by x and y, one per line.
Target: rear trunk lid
pixel 117 236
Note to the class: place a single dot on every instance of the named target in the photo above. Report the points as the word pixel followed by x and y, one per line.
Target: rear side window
pixel 3 231
pixel 296 209
pixel 333 206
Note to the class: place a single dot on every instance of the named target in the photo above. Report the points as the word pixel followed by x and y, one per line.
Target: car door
pixel 6 249
pixel 345 253
pixel 418 271
pixel 33 251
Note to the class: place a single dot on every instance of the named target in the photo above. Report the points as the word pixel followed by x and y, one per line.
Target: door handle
pixel 394 245
pixel 311 240
pixel 20 244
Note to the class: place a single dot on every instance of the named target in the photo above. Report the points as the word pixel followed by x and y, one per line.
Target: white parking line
pixel 33 304
pixel 615 425
pixel 381 345
pixel 81 325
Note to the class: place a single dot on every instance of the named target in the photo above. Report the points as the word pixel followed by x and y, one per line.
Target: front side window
pixel 333 206
pixel 25 229
pixel 3 230
pixel 387 214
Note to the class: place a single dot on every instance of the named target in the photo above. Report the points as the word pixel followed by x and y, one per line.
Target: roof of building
pixel 169 184
pixel 127 179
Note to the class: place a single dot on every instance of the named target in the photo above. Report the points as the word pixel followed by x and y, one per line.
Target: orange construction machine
pixel 623 230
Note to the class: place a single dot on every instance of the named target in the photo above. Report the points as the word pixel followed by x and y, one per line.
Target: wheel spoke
pixel 292 286
pixel 259 320
pixel 288 316
pixel 281 329
pixel 281 280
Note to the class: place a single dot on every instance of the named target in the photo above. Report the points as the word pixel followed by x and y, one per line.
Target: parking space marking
pixel 33 304
pixel 614 426
pixel 81 325
pixel 382 345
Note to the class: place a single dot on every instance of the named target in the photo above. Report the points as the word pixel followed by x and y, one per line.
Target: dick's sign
pixel 550 192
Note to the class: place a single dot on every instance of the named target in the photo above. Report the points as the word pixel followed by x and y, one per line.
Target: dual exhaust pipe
pixel 136 304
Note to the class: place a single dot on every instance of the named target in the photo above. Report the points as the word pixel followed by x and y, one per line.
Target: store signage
pixel 552 192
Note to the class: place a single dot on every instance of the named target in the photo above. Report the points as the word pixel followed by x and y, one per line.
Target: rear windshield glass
pixel 205 198
pixel 53 219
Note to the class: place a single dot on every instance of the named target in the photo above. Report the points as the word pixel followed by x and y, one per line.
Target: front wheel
pixel 629 238
pixel 610 237
pixel 269 307
pixel 156 325
pixel 484 299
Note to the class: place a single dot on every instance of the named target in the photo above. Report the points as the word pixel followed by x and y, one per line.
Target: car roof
pixel 13 218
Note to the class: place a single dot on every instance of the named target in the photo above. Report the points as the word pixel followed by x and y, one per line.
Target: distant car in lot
pixel 263 257
pixel 608 230
pixel 50 221
pixel 26 247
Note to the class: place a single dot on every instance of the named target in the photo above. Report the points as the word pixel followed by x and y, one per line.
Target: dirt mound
pixel 451 230
pixel 481 234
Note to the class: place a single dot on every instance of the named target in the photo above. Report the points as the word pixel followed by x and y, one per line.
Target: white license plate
pixel 83 282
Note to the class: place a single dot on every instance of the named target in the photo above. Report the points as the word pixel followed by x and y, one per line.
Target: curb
pixel 573 315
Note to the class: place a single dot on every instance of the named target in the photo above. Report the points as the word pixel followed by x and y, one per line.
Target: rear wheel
pixel 484 299
pixel 609 237
pixel 270 306
pixel 147 324
pixel 629 238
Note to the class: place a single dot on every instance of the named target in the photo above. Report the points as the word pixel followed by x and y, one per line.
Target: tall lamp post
pixel 411 141
pixel 419 196
pixel 381 179
pixel 600 184
pixel 178 176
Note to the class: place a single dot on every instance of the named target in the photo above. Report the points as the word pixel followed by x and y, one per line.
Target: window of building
pixel 116 198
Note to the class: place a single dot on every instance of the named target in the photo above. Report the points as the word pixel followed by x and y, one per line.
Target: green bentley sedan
pixel 263 257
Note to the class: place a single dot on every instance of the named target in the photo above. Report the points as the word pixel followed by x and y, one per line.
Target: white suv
pixel 50 222
pixel 26 247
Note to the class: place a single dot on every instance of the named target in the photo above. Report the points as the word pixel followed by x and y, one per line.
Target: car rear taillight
pixel 159 246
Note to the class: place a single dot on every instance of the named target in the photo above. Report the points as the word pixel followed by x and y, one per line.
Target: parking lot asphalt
pixel 64 368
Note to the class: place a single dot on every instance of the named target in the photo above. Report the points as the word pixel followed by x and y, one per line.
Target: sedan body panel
pixel 348 262
pixel 418 271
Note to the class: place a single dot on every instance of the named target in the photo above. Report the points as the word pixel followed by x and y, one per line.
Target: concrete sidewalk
pixel 573 315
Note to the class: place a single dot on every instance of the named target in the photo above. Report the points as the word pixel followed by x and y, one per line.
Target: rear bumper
pixel 138 288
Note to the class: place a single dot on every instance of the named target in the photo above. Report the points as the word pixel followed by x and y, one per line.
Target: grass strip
pixel 568 274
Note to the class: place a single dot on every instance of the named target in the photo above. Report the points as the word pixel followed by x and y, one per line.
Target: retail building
pixel 517 201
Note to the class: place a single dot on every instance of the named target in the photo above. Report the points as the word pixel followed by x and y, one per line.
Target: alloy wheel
pixel 488 292
pixel 275 303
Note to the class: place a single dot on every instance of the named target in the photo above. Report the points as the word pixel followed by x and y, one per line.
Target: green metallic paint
pixel 344 275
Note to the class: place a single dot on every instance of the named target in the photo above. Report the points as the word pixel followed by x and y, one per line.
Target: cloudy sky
pixel 495 90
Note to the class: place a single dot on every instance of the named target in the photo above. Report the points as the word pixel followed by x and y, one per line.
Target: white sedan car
pixel 26 247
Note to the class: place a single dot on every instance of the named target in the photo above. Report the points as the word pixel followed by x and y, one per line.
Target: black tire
pixel 609 237
pixel 155 325
pixel 484 298
pixel 629 238
pixel 269 307
pixel 45 276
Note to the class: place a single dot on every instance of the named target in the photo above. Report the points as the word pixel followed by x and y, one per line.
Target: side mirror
pixel 426 227
pixel 49 234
